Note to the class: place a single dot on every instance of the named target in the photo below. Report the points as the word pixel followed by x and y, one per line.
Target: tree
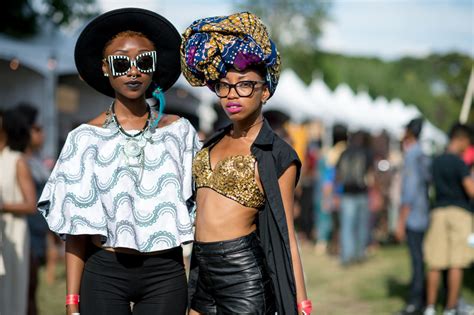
pixel 23 18
pixel 292 23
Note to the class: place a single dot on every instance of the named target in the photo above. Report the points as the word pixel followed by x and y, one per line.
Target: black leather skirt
pixel 233 278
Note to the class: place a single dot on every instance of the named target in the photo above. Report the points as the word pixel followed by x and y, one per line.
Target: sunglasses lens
pixel 145 63
pixel 121 65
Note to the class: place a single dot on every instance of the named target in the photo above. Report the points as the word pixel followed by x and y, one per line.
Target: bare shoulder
pixel 98 121
pixel 167 120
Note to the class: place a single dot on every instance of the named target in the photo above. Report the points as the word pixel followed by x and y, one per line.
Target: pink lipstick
pixel 233 108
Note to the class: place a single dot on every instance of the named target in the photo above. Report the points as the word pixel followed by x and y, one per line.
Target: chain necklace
pixel 134 146
pixel 123 131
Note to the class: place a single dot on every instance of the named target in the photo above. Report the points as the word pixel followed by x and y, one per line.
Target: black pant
pixel 156 284
pixel 233 278
pixel 417 284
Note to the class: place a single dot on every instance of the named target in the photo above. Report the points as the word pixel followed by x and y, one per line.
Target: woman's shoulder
pixel 169 119
pixel 176 125
pixel 98 121
pixel 284 155
pixel 282 148
pixel 13 155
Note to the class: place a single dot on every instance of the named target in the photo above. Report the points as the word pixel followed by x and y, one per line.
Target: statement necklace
pixel 134 146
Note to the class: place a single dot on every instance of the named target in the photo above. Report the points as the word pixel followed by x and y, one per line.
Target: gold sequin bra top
pixel 233 177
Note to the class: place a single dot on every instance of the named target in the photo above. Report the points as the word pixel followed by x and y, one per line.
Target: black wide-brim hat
pixel 88 53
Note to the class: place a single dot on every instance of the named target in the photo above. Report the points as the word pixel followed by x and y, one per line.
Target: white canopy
pixel 292 98
pixel 356 111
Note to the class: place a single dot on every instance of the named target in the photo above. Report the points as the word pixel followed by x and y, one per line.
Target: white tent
pixel 343 99
pixel 360 111
pixel 292 98
pixel 364 112
pixel 323 99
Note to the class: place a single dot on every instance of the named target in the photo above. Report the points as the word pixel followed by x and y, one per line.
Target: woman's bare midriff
pixel 219 218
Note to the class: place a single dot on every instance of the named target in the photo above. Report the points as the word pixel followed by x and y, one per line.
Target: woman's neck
pixel 248 127
pixel 130 109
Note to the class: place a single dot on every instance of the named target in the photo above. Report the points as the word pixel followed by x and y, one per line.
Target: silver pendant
pixel 132 148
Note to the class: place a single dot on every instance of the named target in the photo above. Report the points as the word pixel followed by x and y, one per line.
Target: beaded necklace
pixel 134 146
pixel 123 131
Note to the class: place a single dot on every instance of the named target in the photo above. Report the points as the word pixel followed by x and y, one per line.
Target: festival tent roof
pixel 342 104
pixel 292 98
pixel 322 97
pixel 360 111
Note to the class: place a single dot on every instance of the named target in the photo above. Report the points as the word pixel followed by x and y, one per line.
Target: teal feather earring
pixel 160 98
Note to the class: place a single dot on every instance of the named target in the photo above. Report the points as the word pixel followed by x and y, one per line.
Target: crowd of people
pixel 363 192
pixel 133 185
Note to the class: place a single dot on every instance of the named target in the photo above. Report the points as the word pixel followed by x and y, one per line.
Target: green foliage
pixel 23 19
pixel 20 19
pixel 63 12
pixel 290 22
pixel 435 84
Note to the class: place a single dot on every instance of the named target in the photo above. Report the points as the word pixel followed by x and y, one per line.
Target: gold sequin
pixel 233 177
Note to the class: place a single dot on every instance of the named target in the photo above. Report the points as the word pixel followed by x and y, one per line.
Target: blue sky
pixel 387 29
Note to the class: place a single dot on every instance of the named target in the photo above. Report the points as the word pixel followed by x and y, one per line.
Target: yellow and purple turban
pixel 213 45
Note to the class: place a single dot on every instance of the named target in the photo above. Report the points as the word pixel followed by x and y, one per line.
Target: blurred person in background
pixel 305 221
pixel 446 242
pixel 36 223
pixel 353 171
pixel 245 245
pixel 379 192
pixel 413 216
pixel 18 199
pixel 328 194
pixel 395 159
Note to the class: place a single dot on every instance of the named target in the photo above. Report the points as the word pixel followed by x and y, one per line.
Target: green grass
pixel 376 287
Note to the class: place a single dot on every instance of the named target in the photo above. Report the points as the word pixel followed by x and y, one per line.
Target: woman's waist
pixel 212 225
pixel 130 239
pixel 97 242
pixel 227 246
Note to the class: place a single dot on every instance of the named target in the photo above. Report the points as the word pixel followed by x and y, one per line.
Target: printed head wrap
pixel 213 45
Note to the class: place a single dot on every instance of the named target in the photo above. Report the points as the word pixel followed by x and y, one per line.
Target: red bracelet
pixel 305 306
pixel 72 299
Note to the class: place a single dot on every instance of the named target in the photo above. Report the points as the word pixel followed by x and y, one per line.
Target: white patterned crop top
pixel 136 201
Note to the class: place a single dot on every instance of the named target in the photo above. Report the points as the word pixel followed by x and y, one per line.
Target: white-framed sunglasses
pixel 120 64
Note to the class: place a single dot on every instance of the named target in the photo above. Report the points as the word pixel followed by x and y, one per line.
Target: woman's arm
pixel 27 188
pixel 286 183
pixel 76 247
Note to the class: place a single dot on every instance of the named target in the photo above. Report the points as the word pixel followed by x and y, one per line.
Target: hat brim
pixel 88 53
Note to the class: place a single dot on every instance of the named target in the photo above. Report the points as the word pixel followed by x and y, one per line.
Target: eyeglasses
pixel 243 88
pixel 121 65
